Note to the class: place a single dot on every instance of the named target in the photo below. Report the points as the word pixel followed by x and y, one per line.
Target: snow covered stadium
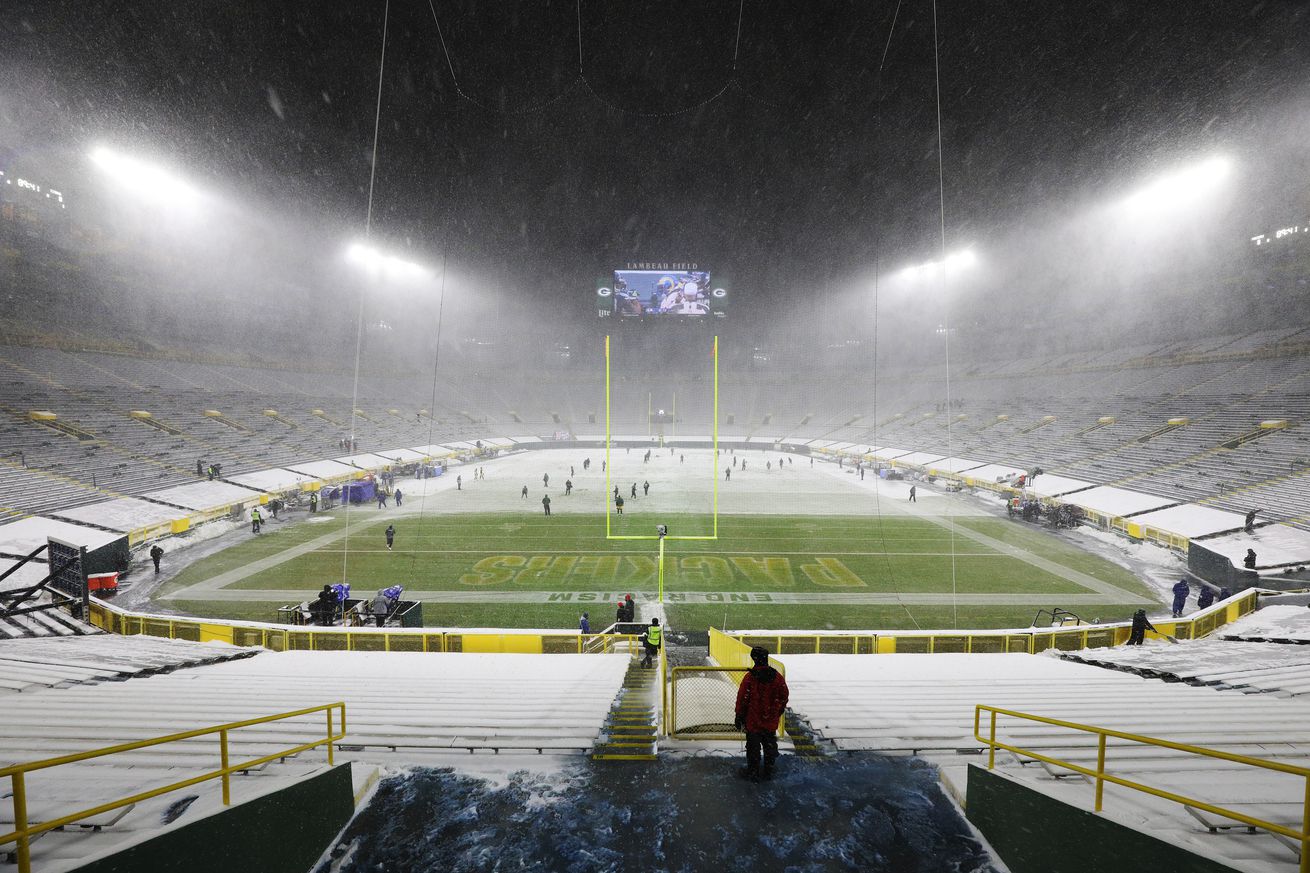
pixel 336 428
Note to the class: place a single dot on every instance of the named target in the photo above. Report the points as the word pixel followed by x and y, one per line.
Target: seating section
pixel 61 662
pixel 1100 416
pixel 924 704
pixel 1252 667
pixel 401 709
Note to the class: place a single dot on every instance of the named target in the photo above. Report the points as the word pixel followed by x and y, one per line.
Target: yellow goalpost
pixel 714 473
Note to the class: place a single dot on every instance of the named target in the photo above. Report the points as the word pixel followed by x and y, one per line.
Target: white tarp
pixel 204 495
pixel 276 479
pixel 402 455
pixel 124 513
pixel 1190 520
pixel 920 459
pixel 1115 501
pixel 323 469
pixel 365 461
pixel 1274 544
pixel 22 536
pixel 994 472
pixel 954 465
pixel 1047 485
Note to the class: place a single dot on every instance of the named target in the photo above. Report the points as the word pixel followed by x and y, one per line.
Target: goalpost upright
pixel 714 463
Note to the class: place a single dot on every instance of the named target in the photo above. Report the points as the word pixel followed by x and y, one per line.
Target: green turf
pixel 568 554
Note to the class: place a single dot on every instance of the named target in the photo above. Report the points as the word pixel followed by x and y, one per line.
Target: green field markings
pixel 734 571
pixel 291 561
pixel 1043 544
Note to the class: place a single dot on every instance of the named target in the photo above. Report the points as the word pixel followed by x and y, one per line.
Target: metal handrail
pixel 1100 776
pixel 23 832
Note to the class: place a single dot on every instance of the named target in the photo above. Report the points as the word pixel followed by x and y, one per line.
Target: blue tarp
pixel 358 492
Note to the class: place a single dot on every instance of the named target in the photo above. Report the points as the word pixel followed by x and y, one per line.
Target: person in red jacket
pixel 761 700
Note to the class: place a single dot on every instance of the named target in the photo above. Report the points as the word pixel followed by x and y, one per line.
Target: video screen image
pixel 667 293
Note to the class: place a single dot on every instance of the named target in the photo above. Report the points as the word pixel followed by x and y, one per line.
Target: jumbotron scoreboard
pixel 662 290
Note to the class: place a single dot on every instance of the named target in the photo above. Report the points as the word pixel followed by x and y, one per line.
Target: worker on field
pixel 156 553
pixel 761 701
pixel 618 504
pixel 652 639
pixel 1181 590
pixel 391 535
pixel 255 520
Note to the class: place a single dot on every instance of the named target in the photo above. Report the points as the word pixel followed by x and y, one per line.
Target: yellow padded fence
pixel 928 642
pixel 282 638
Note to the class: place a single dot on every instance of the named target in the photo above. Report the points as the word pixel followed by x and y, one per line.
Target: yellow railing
pixel 1029 640
pixel 24 832
pixel 282 637
pixel 1101 777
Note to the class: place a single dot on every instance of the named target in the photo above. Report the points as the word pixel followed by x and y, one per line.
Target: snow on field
pixel 681 481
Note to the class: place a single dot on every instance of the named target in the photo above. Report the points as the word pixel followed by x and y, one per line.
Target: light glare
pixel 389 266
pixel 144 179
pixel 952 262
pixel 1180 188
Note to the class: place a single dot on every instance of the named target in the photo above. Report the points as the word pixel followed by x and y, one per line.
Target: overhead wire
pixel 877 275
pixel 946 306
pixel 368 234
pixel 581 79
pixel 432 404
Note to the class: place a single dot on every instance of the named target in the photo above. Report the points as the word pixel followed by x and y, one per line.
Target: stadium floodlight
pixel 385 265
pixel 143 178
pixel 1180 188
pixel 954 261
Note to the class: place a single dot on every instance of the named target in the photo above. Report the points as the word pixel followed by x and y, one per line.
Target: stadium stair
pixel 46 623
pixel 630 732
pixel 805 741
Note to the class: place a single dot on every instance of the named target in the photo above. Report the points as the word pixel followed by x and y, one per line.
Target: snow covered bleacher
pixel 58 662
pixel 401 709
pixel 1242 666
pixel 925 705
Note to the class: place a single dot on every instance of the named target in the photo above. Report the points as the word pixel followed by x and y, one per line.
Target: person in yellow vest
pixel 652 639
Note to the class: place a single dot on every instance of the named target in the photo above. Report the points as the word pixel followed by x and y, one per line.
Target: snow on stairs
pixel 630 732
pixel 46 623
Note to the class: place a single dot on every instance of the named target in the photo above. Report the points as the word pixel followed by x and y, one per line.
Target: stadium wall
pixel 285 831
pixel 1069 839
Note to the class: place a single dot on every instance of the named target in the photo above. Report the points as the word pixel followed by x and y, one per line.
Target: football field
pixel 798 546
